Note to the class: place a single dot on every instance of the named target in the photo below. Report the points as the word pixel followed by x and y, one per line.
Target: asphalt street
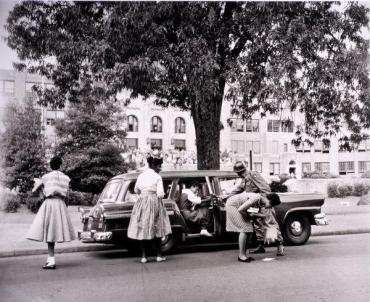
pixel 327 268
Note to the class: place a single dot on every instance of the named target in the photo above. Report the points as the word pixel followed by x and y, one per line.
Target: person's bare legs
pixel 51 247
pixel 143 251
pixel 50 261
pixel 158 245
pixel 243 237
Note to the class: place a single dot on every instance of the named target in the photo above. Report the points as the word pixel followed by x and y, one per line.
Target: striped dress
pixel 52 222
pixel 235 221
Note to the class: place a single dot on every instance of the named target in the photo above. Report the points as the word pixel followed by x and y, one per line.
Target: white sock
pixel 51 260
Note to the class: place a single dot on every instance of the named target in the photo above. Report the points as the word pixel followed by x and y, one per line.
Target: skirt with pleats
pixel 149 218
pixel 52 223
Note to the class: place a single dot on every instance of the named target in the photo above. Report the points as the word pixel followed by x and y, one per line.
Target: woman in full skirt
pixel 149 220
pixel 52 222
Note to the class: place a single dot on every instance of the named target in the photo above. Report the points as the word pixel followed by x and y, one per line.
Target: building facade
pixel 267 140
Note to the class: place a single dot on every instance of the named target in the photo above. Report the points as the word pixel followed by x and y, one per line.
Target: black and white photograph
pixel 182 151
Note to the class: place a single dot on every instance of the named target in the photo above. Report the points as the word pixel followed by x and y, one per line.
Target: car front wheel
pixel 296 229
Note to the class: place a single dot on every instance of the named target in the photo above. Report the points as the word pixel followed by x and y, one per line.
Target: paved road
pixel 334 268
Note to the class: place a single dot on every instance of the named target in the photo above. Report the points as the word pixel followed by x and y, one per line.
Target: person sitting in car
pixel 193 210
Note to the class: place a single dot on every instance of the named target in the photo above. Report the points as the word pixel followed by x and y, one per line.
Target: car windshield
pixel 110 192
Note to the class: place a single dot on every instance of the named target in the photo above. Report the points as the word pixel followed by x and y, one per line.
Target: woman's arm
pixel 252 199
pixel 160 189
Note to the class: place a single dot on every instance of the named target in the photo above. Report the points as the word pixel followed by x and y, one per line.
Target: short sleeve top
pixel 151 182
pixel 55 183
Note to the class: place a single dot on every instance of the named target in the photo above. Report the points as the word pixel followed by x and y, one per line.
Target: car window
pixel 185 183
pixel 167 186
pixel 110 192
pixel 131 196
pixel 227 184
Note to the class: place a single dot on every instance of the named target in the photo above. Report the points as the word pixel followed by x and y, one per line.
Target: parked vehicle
pixel 108 220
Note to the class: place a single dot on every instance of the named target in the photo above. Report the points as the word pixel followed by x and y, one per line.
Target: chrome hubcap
pixel 296 228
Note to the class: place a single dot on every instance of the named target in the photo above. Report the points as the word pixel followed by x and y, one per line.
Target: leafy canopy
pixel 261 56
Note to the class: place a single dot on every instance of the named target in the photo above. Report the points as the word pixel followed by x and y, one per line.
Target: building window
pixel 257 167
pixel 306 147
pixel 237 125
pixel 9 87
pixel 285 147
pixel 274 168
pixel 254 146
pixel 317 145
pixel 180 144
pixel 132 143
pixel 273 125
pixel 363 166
pixel 28 87
pixel 325 149
pixel 303 147
pixel 252 126
pixel 322 167
pixel 156 124
pixel 50 121
pixel 238 146
pixel 364 146
pixel 306 167
pixel 179 125
pixel 287 126
pixel 275 147
pixel 156 144
pixel 346 167
pixel 132 124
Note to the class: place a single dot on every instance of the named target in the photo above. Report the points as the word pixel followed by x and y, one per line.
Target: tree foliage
pixel 22 146
pixel 88 140
pixel 261 56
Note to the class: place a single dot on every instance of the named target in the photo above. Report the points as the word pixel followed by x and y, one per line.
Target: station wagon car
pixel 108 220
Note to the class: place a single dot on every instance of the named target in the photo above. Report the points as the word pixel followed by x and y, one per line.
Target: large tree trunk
pixel 206 115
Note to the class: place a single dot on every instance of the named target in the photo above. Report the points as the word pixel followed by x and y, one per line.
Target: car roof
pixel 182 174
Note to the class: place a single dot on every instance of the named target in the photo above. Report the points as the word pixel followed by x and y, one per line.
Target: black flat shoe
pixel 244 260
pixel 49 266
pixel 251 259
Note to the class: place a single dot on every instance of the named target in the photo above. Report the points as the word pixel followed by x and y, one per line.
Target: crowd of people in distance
pixel 172 158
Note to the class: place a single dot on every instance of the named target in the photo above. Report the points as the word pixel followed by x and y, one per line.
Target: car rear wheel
pixel 296 229
pixel 169 242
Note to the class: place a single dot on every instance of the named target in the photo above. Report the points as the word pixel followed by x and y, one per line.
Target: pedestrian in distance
pixel 149 220
pixel 52 222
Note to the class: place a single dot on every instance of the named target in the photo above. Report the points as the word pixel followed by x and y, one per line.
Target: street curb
pixel 43 251
pixel 96 248
pixel 345 232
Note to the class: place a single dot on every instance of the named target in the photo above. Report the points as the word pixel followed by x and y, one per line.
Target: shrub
pixel 9 200
pixel 317 174
pixel 13 204
pixel 278 187
pixel 344 190
pixel 360 189
pixel 366 174
pixel 32 202
pixel 332 189
pixel 81 198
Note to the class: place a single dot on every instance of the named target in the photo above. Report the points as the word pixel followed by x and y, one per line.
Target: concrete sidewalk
pixel 344 217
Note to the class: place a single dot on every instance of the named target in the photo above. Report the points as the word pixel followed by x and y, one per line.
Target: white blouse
pixel 150 181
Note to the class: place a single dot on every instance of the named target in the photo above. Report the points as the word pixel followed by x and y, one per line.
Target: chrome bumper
pixel 320 219
pixel 93 236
